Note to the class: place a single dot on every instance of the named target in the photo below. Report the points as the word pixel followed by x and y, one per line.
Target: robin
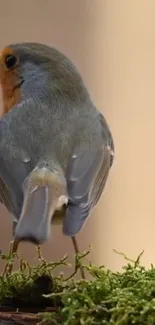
pixel 56 148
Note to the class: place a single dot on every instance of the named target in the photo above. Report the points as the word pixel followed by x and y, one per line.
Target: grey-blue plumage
pixel 56 148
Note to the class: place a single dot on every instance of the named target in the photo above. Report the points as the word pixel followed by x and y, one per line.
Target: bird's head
pixel 34 69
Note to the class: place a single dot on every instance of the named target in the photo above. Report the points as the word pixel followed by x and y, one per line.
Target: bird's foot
pixel 78 266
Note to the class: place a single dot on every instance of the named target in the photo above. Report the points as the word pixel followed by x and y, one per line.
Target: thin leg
pixel 40 254
pixel 14 246
pixel 74 241
pixel 14 227
pixel 13 249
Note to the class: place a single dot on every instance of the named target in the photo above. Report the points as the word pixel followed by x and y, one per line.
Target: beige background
pixel 112 42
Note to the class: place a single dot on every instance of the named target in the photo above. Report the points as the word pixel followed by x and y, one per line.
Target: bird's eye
pixel 10 61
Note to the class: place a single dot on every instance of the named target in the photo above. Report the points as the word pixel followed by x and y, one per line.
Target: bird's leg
pixel 74 241
pixel 13 246
pixel 15 222
pixel 14 243
pixel 13 249
pixel 40 257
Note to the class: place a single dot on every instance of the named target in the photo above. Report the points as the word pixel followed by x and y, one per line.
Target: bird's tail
pixel 44 193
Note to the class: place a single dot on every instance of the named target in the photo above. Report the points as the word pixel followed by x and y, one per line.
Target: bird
pixel 56 147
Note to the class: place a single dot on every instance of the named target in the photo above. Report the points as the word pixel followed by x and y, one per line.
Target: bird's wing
pixel 5 197
pixel 7 201
pixel 11 180
pixel 87 176
pixel 13 167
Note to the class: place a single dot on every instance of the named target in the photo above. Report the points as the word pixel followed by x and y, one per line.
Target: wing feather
pixel 11 180
pixel 5 197
pixel 87 177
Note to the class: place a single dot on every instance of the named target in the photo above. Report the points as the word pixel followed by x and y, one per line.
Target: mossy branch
pixel 115 298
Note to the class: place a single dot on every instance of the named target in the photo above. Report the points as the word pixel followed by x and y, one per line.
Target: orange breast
pixel 11 95
pixel 8 79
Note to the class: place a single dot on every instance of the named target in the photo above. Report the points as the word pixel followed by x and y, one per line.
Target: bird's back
pixel 55 120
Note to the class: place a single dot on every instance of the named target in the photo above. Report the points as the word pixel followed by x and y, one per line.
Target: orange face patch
pixel 9 80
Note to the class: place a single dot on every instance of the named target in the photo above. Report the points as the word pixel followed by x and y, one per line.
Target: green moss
pixel 110 298
pixel 25 287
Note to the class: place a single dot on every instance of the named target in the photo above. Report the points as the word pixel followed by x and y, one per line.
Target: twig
pixel 136 263
pixel 78 265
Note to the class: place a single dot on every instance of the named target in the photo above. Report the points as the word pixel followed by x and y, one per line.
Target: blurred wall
pixel 113 45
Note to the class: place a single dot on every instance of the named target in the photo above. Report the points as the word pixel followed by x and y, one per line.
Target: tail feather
pixel 44 193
